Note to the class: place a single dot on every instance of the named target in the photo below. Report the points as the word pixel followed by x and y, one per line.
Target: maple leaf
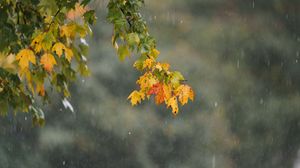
pixel 184 93
pixel 40 89
pixel 155 89
pixel 69 54
pixel 136 97
pixel 24 57
pixel 68 30
pixel 167 91
pixel 172 102
pixel 146 81
pixel 7 62
pixel 77 12
pixel 58 48
pixel 48 61
pixel 162 66
pixel 158 90
pixel 148 63
pixel 123 52
pixel 37 42
pixel 154 53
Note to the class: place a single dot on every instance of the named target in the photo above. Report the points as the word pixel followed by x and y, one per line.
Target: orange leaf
pixel 146 81
pixel 48 61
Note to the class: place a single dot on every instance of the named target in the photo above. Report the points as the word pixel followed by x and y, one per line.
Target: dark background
pixel 240 56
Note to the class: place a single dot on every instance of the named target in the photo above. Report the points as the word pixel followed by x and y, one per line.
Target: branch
pixel 128 21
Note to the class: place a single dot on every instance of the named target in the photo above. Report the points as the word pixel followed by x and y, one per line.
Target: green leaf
pixel 133 39
pixel 90 17
pixel 176 78
pixel 123 52
pixel 85 2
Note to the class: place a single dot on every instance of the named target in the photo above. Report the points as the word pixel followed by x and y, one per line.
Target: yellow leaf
pixel 58 48
pixel 167 91
pixel 136 97
pixel 48 19
pixel 148 63
pixel 37 42
pixel 25 72
pixel 69 54
pixel 184 92
pixel 154 53
pixel 7 62
pixel 162 66
pixel 172 102
pixel 40 89
pixel 146 81
pixel 24 57
pixel 68 30
pixel 48 61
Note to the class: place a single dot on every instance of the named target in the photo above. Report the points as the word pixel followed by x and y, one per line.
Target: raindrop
pixel 181 21
pixel 253 4
pixel 82 80
pixel 296 60
pixel 64 163
pixel 25 118
pixel 129 133
pixel 238 64
pixel 83 41
pixel 83 58
pixel 216 104
pixel 67 104
pixel 213 161
pixel 261 101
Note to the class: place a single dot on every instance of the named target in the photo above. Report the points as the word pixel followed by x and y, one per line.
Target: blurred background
pixel 240 56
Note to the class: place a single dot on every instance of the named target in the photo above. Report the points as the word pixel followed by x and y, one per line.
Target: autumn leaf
pixel 69 54
pixel 48 61
pixel 58 48
pixel 148 63
pixel 77 12
pixel 136 97
pixel 172 102
pixel 37 43
pixel 40 89
pixel 7 62
pixel 167 91
pixel 162 66
pixel 146 81
pixel 68 30
pixel 158 90
pixel 24 57
pixel 154 53
pixel 184 93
